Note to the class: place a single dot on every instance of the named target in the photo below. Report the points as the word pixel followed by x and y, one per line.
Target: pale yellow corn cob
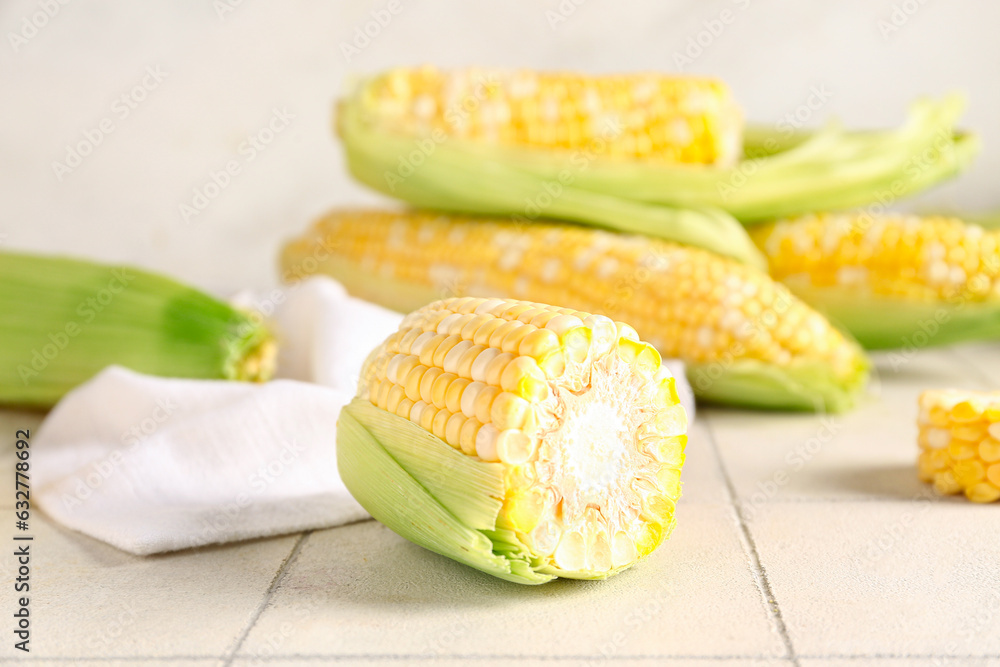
pixel 716 314
pixel 669 119
pixel 895 255
pixel 892 280
pixel 960 443
pixel 578 410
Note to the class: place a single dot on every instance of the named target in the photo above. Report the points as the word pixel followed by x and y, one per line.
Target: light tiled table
pixel 847 561
pixel 800 540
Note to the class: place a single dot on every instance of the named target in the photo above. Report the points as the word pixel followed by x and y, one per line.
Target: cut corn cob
pixel 580 148
pixel 892 280
pixel 960 443
pixel 651 117
pixel 745 338
pixel 65 319
pixel 525 440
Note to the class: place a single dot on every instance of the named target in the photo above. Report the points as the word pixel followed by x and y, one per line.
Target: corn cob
pixel 892 280
pixel 639 116
pixel 959 437
pixel 65 319
pixel 745 338
pixel 592 150
pixel 525 440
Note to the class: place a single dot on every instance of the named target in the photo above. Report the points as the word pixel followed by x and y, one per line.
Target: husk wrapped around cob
pixel 892 280
pixel 746 340
pixel 620 152
pixel 524 440
pixel 65 319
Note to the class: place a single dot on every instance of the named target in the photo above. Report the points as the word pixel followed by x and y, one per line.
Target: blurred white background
pixel 200 78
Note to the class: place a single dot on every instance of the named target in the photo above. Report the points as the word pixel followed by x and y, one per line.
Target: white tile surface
pixel 868 453
pixel 702 480
pixel 89 600
pixel 884 578
pixel 385 596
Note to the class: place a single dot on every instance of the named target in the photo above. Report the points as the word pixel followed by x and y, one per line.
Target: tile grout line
pixel 416 657
pixel 763 583
pixel 282 570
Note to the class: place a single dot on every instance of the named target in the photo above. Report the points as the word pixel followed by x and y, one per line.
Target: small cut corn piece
pixel 959 438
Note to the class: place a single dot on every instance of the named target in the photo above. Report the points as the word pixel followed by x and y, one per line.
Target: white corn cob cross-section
pixel 576 409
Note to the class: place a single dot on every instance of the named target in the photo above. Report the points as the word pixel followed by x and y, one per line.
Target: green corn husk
pixel 457 178
pixel 65 319
pixel 428 492
pixel 782 174
pixel 883 323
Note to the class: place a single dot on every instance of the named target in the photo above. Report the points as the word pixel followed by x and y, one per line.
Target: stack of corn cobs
pixel 517 421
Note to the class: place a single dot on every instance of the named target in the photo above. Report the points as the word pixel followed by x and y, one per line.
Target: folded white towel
pixel 151 464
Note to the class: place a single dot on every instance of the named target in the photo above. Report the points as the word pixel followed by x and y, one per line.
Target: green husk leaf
pixel 457 177
pixel 783 173
pixel 882 323
pixel 828 169
pixel 64 320
pixel 425 491
pixel 803 386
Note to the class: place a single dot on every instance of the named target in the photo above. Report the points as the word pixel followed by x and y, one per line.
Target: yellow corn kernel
pixel 959 450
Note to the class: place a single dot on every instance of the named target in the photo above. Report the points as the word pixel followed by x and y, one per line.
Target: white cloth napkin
pixel 151 464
